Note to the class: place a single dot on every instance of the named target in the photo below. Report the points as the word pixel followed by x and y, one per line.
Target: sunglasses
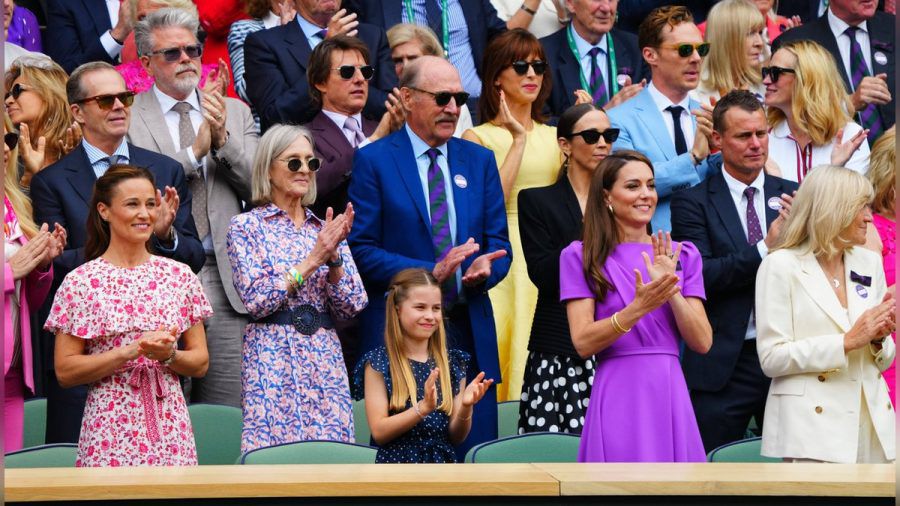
pixel 685 50
pixel 106 102
pixel 521 66
pixel 593 136
pixel 775 72
pixel 442 98
pixel 15 91
pixel 348 71
pixel 173 54
pixel 11 139
pixel 294 164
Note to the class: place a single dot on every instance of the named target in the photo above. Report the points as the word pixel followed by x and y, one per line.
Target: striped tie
pixel 440 218
pixel 598 87
pixel 869 117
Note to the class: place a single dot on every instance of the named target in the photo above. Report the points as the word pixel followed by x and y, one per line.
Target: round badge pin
pixel 460 181
pixel 622 79
pixel 861 290
pixel 880 58
pixel 774 203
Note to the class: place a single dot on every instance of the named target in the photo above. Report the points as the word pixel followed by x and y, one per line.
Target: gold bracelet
pixel 618 326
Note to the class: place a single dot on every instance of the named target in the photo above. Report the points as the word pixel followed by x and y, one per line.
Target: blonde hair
pixel 819 102
pixel 404 384
pixel 727 27
pixel 186 5
pixel 47 79
pixel 825 205
pixel 883 171
pixel 277 139
pixel 407 32
pixel 20 202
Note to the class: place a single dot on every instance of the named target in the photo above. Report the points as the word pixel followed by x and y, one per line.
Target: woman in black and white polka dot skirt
pixel 557 383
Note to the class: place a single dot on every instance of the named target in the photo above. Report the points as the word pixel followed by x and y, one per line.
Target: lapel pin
pixel 774 203
pixel 861 290
pixel 880 58
pixel 859 278
pixel 460 181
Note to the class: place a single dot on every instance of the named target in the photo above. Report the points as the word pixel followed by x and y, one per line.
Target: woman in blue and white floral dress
pixel 294 273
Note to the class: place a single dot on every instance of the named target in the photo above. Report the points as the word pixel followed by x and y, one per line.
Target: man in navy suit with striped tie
pixel 426 199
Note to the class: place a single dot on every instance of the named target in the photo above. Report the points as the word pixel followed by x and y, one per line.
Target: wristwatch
pixel 169 361
pixel 335 263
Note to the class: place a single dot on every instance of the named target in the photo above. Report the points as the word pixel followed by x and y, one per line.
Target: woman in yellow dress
pixel 514 89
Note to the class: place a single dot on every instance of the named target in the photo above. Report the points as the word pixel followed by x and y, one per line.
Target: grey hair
pixel 277 139
pixel 74 91
pixel 163 18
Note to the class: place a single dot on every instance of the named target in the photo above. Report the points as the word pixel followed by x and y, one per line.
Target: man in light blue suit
pixel 426 199
pixel 662 122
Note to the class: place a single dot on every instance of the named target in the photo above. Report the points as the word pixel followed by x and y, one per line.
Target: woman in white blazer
pixel 824 319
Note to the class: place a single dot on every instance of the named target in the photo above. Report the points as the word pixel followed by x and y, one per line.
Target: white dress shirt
pixel 786 153
pixel 838 28
pixel 687 126
pixel 172 117
pixel 113 48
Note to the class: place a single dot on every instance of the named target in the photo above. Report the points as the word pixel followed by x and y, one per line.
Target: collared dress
pixel 136 416
pixel 294 386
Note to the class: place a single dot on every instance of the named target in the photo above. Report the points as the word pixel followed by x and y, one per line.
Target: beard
pixel 187 82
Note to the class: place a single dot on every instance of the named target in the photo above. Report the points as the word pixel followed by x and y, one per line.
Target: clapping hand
pixel 664 261
pixel 873 324
pixel 342 24
pixel 842 151
pixel 476 389
pixel 583 97
pixel 218 79
pixel 71 139
pixel 333 232
pixel 31 255
pixel 429 402
pixel 55 245
pixel 32 157
pixel 158 344
pixel 165 212
pixel 626 92
pixel 448 265
pixel 480 269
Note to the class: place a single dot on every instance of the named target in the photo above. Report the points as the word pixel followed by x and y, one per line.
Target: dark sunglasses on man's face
pixel 173 54
pixel 294 164
pixel 774 73
pixel 442 98
pixel 521 66
pixel 348 71
pixel 685 50
pixel 106 102
pixel 11 139
pixel 16 90
pixel 592 136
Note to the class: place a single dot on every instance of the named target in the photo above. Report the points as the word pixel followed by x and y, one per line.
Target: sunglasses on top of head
pixel 16 90
pixel 348 71
pixel 592 136
pixel 11 139
pixel 521 66
pixel 442 98
pixel 173 54
pixel 775 72
pixel 106 102
pixel 294 164
pixel 685 50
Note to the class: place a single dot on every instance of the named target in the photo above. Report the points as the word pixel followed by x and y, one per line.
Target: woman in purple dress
pixel 640 410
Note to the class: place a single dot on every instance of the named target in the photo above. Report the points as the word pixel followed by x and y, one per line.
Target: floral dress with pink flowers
pixel 137 416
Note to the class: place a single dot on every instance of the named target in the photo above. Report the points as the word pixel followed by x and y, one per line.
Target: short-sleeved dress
pixel 640 410
pixel 137 416
pixel 429 440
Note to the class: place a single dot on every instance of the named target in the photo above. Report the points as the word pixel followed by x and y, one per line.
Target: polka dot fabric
pixel 555 393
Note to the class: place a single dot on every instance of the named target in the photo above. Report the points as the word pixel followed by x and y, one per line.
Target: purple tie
pixel 440 218
pixel 754 230
pixel 869 117
pixel 598 87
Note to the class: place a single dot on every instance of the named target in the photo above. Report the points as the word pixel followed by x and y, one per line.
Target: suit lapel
pixel 880 35
pixel 459 172
pixel 817 287
pixel 98 11
pixel 150 113
pixel 328 133
pixel 646 113
pixel 569 70
pixel 569 199
pixel 405 163
pixel 720 196
pixel 81 175
pixel 771 188
pixel 297 44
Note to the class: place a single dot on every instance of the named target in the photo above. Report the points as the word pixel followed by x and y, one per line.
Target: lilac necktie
pixel 869 117
pixel 351 126
pixel 754 229
pixel 440 218
pixel 598 86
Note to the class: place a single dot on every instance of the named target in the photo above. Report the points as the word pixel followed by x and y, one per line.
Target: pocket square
pixel 858 278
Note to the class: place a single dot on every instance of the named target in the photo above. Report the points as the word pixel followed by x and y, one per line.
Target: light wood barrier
pixel 769 484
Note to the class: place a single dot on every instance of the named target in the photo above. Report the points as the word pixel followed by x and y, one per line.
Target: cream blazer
pixel 813 406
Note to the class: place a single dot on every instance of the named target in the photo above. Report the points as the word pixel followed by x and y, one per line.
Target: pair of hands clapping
pixel 156 344
pixel 39 251
pixel 473 393
pixel 334 231
pixel 663 280
pixel 480 269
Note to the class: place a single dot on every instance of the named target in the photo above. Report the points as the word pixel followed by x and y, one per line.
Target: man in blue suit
pixel 658 121
pixel 81 31
pixel 465 246
pixel 572 58
pixel 276 60
pixel 62 192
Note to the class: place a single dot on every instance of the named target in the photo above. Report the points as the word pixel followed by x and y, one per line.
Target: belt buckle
pixel 306 319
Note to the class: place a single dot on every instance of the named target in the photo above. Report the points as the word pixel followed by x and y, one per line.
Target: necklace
pixel 835 280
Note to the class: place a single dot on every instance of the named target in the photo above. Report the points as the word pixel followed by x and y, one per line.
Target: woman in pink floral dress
pixel 117 319
pixel 294 273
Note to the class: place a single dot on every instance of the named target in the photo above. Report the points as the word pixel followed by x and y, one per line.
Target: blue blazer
pixel 567 70
pixel 392 229
pixel 642 129
pixel 481 20
pixel 61 193
pixel 706 216
pixel 275 62
pixel 74 28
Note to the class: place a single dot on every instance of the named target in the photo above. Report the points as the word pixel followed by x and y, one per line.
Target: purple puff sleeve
pixel 572 283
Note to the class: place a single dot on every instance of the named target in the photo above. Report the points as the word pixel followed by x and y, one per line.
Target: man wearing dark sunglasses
pixel 61 194
pixel 276 62
pixel 662 121
pixel 214 138
pixel 424 198
pixel 590 55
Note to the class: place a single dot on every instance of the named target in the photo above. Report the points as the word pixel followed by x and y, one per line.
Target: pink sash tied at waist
pixel 149 378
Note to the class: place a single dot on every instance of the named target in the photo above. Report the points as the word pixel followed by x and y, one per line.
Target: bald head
pixel 422 79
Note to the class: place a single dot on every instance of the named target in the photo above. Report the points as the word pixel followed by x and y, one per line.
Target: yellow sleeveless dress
pixel 514 298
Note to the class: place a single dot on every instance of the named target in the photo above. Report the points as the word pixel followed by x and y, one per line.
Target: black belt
pixel 305 318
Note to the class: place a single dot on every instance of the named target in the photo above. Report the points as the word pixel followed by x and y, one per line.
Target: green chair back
pixel 35 422
pixel 217 433
pixel 527 448
pixel 361 423
pixel 745 450
pixel 54 455
pixel 507 419
pixel 311 452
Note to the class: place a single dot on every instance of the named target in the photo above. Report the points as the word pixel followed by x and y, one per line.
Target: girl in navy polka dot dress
pixel 404 382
